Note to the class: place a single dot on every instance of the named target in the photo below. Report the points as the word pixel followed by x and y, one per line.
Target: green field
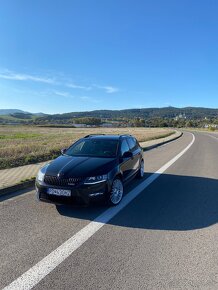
pixel 21 145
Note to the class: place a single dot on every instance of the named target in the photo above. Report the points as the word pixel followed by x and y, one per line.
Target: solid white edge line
pixel 35 274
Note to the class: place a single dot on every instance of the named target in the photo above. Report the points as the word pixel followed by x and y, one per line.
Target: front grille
pixel 54 180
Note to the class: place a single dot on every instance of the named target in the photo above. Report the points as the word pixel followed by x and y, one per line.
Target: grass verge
pixel 23 145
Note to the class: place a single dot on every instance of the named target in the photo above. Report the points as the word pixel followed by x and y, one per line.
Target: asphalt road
pixel 166 238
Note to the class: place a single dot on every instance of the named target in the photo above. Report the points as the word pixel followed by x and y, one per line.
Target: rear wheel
pixel 141 171
pixel 116 193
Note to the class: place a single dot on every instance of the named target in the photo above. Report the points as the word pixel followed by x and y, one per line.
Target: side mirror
pixel 127 154
pixel 63 151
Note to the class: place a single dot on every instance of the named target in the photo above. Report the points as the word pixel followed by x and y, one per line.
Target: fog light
pixel 96 194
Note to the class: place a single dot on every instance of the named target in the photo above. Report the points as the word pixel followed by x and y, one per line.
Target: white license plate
pixel 59 192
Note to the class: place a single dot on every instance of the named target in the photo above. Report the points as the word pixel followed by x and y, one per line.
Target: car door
pixel 126 164
pixel 136 151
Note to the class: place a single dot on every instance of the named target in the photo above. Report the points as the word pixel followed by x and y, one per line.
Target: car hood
pixel 68 166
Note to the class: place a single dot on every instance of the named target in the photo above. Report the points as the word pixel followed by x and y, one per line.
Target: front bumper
pixel 79 194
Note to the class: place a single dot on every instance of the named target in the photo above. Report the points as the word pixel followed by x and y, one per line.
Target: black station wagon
pixel 94 167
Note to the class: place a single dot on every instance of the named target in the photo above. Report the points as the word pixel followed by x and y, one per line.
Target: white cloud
pixel 108 89
pixel 64 94
pixel 10 75
pixel 75 86
pixel 25 77
pixel 68 95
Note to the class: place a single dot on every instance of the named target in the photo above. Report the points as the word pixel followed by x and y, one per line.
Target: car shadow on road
pixel 172 202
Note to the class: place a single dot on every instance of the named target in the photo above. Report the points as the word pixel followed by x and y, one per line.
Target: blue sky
pixel 60 56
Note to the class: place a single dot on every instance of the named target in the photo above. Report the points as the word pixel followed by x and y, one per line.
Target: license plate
pixel 59 192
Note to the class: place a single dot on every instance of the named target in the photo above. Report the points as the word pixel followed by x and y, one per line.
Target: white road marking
pixel 35 274
pixel 216 138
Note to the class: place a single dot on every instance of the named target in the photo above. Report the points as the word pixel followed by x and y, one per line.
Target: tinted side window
pixel 132 143
pixel 124 147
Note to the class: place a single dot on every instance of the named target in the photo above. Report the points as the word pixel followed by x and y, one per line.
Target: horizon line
pixel 136 108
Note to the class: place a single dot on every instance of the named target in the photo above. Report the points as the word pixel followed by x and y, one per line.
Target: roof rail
pixel 123 135
pixel 87 136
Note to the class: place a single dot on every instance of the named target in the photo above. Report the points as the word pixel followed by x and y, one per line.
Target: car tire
pixel 116 193
pixel 140 173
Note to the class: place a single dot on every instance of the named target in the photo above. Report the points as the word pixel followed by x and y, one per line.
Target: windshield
pixel 94 148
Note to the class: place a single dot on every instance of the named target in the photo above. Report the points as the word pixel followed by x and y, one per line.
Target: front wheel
pixel 141 171
pixel 116 193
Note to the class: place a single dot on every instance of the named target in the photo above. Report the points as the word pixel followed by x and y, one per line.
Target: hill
pixel 145 113
pixel 167 116
pixel 6 112
pixel 11 111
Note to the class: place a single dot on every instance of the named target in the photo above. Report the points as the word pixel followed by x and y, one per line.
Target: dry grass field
pixel 21 145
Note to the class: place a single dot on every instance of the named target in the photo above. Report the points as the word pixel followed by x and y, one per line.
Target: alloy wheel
pixel 116 192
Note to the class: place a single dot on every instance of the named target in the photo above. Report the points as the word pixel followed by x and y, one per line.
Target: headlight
pixel 40 176
pixel 95 179
pixel 41 173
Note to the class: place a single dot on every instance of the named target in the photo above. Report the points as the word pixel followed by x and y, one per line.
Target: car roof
pixel 107 137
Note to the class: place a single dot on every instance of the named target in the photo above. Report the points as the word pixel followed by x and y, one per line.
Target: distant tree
pixel 138 122
pixel 87 121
